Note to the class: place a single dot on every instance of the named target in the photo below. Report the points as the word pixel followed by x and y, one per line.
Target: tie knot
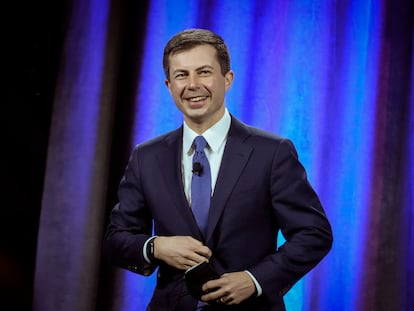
pixel 200 143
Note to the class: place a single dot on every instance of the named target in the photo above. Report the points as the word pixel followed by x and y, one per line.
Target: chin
pixel 196 109
pixel 195 114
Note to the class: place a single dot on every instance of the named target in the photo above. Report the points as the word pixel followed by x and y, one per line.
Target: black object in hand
pixel 197 275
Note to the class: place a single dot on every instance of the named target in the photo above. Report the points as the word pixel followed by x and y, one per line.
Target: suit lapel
pixel 169 160
pixel 235 157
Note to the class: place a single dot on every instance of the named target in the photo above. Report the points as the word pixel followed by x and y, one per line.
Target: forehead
pixel 201 55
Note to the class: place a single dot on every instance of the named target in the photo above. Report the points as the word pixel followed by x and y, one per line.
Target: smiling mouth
pixel 196 99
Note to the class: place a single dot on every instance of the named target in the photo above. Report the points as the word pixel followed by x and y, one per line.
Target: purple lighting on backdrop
pixel 306 70
pixel 336 77
pixel 300 71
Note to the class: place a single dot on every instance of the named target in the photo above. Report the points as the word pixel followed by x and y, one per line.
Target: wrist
pixel 150 250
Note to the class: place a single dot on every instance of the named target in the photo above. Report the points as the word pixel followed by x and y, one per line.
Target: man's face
pixel 198 86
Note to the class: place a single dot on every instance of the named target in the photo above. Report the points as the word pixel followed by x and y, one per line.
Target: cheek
pixel 174 92
pixel 219 91
pixel 218 86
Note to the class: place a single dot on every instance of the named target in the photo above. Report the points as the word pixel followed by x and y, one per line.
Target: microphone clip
pixel 197 168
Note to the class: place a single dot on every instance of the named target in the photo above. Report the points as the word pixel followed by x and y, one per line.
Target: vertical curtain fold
pixel 73 204
pixel 388 248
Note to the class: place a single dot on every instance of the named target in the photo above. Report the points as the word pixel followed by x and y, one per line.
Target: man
pixel 258 187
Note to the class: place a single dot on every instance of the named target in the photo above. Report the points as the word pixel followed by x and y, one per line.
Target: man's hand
pixel 230 288
pixel 181 252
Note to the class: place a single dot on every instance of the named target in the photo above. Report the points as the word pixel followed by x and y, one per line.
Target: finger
pixel 196 258
pixel 191 263
pixel 228 300
pixel 210 286
pixel 203 251
pixel 193 241
pixel 192 257
pixel 212 294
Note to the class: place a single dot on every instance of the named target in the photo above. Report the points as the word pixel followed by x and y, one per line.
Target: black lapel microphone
pixel 197 168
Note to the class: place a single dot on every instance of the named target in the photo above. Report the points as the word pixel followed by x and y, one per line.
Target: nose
pixel 193 81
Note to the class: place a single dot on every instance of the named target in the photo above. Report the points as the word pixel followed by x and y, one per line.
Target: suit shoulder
pixel 264 140
pixel 259 135
pixel 262 134
pixel 252 132
pixel 159 141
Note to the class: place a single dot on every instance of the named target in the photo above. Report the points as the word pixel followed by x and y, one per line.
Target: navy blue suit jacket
pixel 261 188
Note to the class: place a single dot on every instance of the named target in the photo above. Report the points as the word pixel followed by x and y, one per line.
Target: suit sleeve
pixel 302 221
pixel 130 223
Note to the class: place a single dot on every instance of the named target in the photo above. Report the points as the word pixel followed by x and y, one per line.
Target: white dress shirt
pixel 216 137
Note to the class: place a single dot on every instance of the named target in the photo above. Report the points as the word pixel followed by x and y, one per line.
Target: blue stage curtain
pixel 336 77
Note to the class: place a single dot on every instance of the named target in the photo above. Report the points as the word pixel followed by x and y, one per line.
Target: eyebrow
pixel 197 69
pixel 204 67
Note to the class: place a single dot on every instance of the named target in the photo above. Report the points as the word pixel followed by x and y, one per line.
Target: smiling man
pixel 198 86
pixel 215 190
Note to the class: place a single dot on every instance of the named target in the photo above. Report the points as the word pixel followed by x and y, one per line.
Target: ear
pixel 228 79
pixel 168 84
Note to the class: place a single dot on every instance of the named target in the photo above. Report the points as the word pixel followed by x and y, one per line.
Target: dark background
pixel 33 42
pixel 33 33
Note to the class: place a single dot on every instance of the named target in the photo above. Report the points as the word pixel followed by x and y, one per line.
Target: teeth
pixel 198 98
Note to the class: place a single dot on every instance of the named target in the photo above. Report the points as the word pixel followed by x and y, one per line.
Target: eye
pixel 205 72
pixel 180 75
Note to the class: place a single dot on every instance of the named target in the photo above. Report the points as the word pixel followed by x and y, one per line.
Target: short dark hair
pixel 191 38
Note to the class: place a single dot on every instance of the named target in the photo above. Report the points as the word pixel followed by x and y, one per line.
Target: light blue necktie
pixel 201 184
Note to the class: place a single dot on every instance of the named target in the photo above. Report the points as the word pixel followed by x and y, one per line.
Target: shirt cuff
pixel 258 287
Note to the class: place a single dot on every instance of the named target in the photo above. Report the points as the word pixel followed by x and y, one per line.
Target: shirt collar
pixel 214 136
